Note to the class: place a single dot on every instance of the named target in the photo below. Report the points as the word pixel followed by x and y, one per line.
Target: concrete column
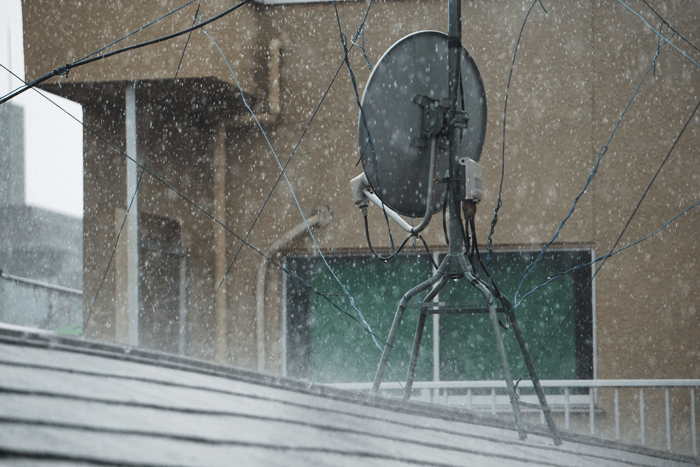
pixel 220 260
pixel 132 224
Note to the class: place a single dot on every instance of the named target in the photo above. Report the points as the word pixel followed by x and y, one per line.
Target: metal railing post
pixel 693 427
pixel 667 396
pixel 591 410
pixel 617 414
pixel 642 430
pixel 567 409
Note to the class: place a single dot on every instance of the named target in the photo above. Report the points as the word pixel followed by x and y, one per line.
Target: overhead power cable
pixel 558 276
pixel 137 31
pixel 269 195
pixel 274 186
pixel 499 202
pixel 649 186
pixel 202 210
pixel 530 267
pixel 659 34
pixel 118 40
pixel 283 173
pixel 612 250
pixel 604 149
pixel 370 144
pixel 363 119
pixel 67 67
pixel 663 21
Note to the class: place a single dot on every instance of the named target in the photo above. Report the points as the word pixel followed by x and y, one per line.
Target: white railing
pixel 474 399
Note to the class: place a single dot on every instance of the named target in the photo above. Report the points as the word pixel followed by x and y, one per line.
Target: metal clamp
pixel 434 121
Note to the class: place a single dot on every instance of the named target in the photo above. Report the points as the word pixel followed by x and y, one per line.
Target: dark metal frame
pixel 455 265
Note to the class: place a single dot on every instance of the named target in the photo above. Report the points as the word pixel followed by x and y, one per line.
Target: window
pixel 326 346
pixel 467 345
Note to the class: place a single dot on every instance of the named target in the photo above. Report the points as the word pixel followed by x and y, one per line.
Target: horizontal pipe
pixel 321 218
pixel 390 212
pixel 44 285
pixel 273 89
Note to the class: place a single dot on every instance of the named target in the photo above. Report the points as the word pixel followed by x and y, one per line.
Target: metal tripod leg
pixel 403 303
pixel 533 374
pixel 419 336
pixel 502 353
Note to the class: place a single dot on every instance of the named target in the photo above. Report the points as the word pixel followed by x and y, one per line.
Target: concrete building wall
pixel 77 29
pixel 11 155
pixel 35 243
pixel 43 246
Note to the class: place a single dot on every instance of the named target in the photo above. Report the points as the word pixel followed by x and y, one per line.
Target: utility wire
pixel 66 68
pixel 140 177
pixel 370 144
pixel 274 186
pixel 663 21
pixel 283 173
pixel 649 186
pixel 658 34
pixel 604 257
pixel 603 151
pixel 269 195
pixel 499 202
pixel 364 322
pixel 152 174
pixel 199 208
pixel 363 119
pixel 612 250
pixel 137 31
pixel 601 258
pixel 346 61
pixel 118 40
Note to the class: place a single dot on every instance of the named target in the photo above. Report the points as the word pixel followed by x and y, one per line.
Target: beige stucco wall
pixel 61 32
pixel 576 69
pixel 647 294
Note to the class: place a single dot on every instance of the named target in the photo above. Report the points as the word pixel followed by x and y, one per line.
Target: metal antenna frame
pixel 455 265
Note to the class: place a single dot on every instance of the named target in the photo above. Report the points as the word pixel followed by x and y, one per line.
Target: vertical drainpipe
pixel 220 263
pixel 132 229
pixel 274 76
pixel 274 65
pixel 221 326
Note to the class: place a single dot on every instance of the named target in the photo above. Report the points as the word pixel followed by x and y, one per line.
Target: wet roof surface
pixel 71 401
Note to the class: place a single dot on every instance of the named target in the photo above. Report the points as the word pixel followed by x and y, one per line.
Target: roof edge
pixel 23 336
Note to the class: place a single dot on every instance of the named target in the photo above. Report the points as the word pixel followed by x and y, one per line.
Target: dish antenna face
pixel 409 78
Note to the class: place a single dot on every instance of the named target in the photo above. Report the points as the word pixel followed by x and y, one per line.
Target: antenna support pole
pixel 454 44
pixel 455 264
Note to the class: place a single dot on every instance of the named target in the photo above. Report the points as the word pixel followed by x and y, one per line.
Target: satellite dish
pixel 397 161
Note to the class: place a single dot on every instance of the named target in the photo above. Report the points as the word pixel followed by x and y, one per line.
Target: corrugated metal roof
pixel 71 401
